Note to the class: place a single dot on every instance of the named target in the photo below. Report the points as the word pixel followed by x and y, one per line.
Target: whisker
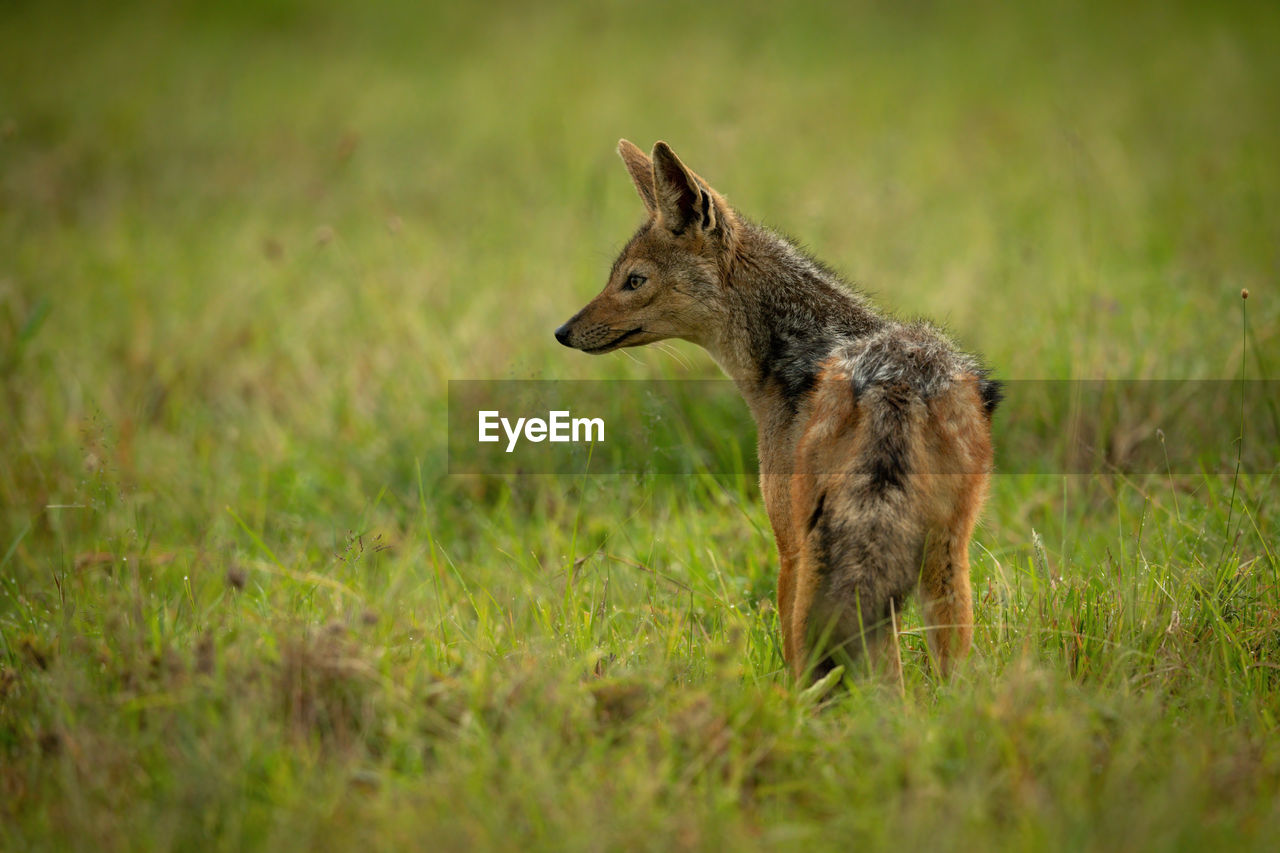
pixel 674 353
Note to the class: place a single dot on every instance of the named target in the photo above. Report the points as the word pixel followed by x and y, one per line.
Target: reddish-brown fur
pixel 950 455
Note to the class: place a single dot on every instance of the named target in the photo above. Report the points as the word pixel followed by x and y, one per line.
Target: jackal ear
pixel 682 199
pixel 641 170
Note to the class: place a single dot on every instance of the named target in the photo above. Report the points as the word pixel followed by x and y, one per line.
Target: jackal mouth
pixel 613 343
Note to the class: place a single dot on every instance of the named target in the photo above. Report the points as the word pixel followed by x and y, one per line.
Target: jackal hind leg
pixel 849 625
pixel 946 599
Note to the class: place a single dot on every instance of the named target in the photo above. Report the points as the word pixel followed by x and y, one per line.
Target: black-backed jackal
pixel 874 435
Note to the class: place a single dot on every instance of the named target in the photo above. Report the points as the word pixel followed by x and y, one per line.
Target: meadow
pixel 245 246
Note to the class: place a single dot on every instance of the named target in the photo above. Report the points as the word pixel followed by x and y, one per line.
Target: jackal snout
pixel 597 337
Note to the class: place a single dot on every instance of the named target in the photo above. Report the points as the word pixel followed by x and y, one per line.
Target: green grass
pixel 243 248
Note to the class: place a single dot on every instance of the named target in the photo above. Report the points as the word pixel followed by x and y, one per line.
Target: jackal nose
pixel 562 334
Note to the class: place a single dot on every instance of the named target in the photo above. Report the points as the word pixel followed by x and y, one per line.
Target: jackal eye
pixel 633 281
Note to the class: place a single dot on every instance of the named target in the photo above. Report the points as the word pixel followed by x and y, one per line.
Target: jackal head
pixel 669 281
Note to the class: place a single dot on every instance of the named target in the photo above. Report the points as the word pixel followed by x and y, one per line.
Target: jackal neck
pixel 787 313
